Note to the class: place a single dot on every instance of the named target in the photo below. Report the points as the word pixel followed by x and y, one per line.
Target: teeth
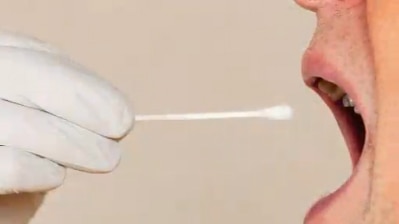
pixel 332 90
pixel 347 101
pixel 336 94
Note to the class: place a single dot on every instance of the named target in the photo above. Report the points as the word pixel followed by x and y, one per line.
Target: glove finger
pixel 58 86
pixel 24 172
pixel 56 139
pixel 17 40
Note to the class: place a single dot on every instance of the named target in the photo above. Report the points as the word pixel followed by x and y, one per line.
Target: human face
pixel 340 53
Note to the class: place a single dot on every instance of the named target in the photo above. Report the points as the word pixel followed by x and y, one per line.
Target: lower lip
pixel 315 213
pixel 353 145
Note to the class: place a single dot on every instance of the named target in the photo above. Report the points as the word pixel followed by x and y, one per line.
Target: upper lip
pixel 314 66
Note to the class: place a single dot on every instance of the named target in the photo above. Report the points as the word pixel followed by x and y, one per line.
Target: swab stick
pixel 279 112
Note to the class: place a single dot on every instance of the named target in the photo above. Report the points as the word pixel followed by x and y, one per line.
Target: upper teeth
pixel 332 90
pixel 336 93
pixel 347 101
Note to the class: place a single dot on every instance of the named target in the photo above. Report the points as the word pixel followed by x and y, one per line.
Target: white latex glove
pixel 54 114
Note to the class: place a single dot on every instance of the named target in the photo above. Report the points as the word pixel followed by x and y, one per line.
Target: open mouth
pixel 347 115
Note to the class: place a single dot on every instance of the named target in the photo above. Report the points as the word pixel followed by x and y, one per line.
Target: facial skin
pixel 355 45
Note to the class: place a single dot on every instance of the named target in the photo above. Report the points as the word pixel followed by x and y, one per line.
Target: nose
pixel 308 4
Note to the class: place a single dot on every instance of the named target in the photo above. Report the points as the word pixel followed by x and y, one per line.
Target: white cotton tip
pixel 281 112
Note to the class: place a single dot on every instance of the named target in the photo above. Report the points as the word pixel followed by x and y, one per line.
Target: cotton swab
pixel 280 112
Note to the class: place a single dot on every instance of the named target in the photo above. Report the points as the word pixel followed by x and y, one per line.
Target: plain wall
pixel 191 56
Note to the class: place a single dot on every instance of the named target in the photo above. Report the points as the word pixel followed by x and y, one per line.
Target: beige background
pixel 191 56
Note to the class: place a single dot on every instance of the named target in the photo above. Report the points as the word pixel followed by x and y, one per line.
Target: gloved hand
pixel 54 114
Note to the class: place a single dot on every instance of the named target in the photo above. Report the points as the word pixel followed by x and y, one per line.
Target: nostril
pixel 308 4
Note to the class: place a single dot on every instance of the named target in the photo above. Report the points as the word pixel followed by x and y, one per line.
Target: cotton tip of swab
pixel 281 112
